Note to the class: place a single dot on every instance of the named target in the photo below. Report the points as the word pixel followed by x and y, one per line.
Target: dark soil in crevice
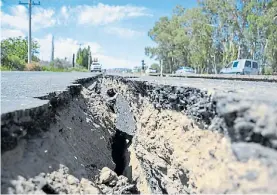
pixel 120 143
pixel 48 189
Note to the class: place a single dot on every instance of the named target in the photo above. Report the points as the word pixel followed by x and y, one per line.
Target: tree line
pixel 214 33
pixel 14 55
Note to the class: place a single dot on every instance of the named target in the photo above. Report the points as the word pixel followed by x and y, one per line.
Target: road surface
pixel 18 89
pixel 260 91
pixel 171 131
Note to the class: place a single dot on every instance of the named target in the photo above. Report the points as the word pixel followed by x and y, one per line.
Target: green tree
pixel 82 57
pixel 79 57
pixel 200 39
pixel 14 52
pixel 216 32
pixel 156 67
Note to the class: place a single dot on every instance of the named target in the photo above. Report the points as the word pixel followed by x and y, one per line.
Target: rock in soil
pixel 61 182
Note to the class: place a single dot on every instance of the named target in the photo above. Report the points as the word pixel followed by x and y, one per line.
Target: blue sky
pixel 116 30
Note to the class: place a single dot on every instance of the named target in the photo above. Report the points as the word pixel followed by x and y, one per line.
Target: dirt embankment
pixel 157 139
pixel 192 141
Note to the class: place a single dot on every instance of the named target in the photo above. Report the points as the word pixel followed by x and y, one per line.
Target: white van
pixel 241 66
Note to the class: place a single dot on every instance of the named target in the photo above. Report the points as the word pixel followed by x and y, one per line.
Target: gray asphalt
pixel 19 89
pixel 248 90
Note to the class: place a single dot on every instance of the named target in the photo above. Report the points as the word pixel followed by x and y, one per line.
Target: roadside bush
pixel 268 70
pixel 13 63
pixel 78 69
pixel 5 68
pixel 53 69
pixel 33 67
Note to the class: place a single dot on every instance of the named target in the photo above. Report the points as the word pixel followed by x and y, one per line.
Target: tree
pixel 168 34
pixel 200 36
pixel 14 52
pixel 156 67
pixel 79 57
pixel 215 33
pixel 82 56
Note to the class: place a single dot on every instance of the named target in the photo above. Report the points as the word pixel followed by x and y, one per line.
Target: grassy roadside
pixel 45 69
pixel 5 68
pixel 55 69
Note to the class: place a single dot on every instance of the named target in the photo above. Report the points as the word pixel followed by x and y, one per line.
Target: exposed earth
pixel 110 134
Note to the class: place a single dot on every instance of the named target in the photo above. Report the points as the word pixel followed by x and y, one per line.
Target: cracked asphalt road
pixel 247 90
pixel 18 89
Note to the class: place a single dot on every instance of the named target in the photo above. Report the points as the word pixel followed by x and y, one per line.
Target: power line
pixel 30 4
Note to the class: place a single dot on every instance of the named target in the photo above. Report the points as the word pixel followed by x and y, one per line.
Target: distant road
pixel 264 78
pixel 18 89
pixel 260 91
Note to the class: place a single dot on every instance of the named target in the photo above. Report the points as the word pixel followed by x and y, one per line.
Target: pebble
pixel 72 180
pixel 107 176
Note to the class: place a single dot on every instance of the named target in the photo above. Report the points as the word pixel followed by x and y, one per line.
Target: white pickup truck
pixel 95 66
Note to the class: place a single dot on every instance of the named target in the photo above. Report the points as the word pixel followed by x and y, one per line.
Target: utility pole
pixel 88 60
pixel 52 50
pixel 30 3
pixel 73 60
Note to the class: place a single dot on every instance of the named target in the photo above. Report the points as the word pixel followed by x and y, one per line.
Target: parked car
pixel 185 70
pixel 95 66
pixel 241 66
pixel 150 70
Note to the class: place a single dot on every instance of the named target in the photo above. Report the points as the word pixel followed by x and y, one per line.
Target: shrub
pixel 33 67
pixel 268 70
pixel 5 68
pixel 78 69
pixel 53 69
pixel 13 63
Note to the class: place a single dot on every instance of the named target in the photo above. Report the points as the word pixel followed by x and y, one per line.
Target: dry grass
pixel 33 67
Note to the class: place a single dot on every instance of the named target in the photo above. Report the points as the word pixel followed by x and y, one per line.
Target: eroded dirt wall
pixel 164 139
pixel 190 141
pixel 79 136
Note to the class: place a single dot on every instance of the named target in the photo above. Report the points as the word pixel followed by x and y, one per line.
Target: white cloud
pixel 43 18
pixel 8 33
pixel 64 47
pixel 64 12
pixel 114 62
pixel 99 14
pixel 123 32
pixel 63 15
pixel 1 3
pixel 18 18
pixel 102 14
